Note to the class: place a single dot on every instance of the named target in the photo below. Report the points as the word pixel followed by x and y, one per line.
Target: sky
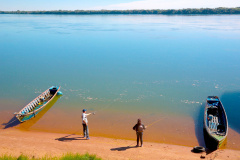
pixel 31 5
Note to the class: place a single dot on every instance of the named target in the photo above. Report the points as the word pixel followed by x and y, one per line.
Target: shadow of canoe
pixel 231 103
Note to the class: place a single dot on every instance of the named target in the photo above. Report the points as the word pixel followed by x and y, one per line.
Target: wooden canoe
pixel 215 120
pixel 36 105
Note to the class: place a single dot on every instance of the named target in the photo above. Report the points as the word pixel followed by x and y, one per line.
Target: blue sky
pixel 9 5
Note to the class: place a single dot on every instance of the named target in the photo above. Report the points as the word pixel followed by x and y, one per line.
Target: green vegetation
pixel 9 157
pixel 187 11
pixel 68 156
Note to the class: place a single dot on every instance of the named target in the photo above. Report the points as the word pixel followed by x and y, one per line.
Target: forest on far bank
pixel 204 11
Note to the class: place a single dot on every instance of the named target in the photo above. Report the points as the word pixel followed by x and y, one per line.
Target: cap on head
pixel 84 110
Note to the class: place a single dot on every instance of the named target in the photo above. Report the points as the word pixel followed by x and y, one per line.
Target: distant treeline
pixel 220 10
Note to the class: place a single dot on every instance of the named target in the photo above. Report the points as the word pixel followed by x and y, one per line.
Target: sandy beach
pixel 37 144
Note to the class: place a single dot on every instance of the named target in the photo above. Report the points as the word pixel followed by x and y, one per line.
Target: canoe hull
pixel 211 143
pixel 36 106
pixel 27 117
pixel 215 123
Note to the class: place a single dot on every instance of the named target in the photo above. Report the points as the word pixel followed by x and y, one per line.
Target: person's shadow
pixel 122 148
pixel 70 137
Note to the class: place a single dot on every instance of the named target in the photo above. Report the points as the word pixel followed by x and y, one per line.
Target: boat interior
pixel 38 102
pixel 216 118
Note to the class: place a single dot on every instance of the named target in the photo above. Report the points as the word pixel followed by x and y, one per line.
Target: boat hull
pixel 27 117
pixel 36 106
pixel 211 142
pixel 215 123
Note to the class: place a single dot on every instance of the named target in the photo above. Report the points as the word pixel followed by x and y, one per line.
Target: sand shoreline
pixel 180 130
pixel 31 143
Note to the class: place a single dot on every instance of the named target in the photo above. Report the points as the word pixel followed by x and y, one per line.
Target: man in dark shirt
pixel 139 128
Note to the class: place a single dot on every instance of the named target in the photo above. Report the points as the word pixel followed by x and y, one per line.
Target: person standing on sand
pixel 139 127
pixel 85 123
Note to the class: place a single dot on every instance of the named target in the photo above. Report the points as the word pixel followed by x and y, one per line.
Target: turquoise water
pixel 128 63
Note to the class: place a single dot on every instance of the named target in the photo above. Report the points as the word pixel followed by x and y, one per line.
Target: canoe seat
pixel 213 122
pixel 33 106
pixel 47 95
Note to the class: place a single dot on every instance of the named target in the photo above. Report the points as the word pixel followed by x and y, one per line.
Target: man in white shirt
pixel 85 123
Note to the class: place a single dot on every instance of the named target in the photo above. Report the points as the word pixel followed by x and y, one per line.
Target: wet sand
pixel 162 128
pixel 39 144
pixel 180 130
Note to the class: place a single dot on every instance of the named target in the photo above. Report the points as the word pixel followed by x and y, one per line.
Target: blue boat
pixel 36 105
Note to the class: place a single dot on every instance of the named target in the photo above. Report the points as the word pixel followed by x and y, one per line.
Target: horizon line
pixel 117 9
